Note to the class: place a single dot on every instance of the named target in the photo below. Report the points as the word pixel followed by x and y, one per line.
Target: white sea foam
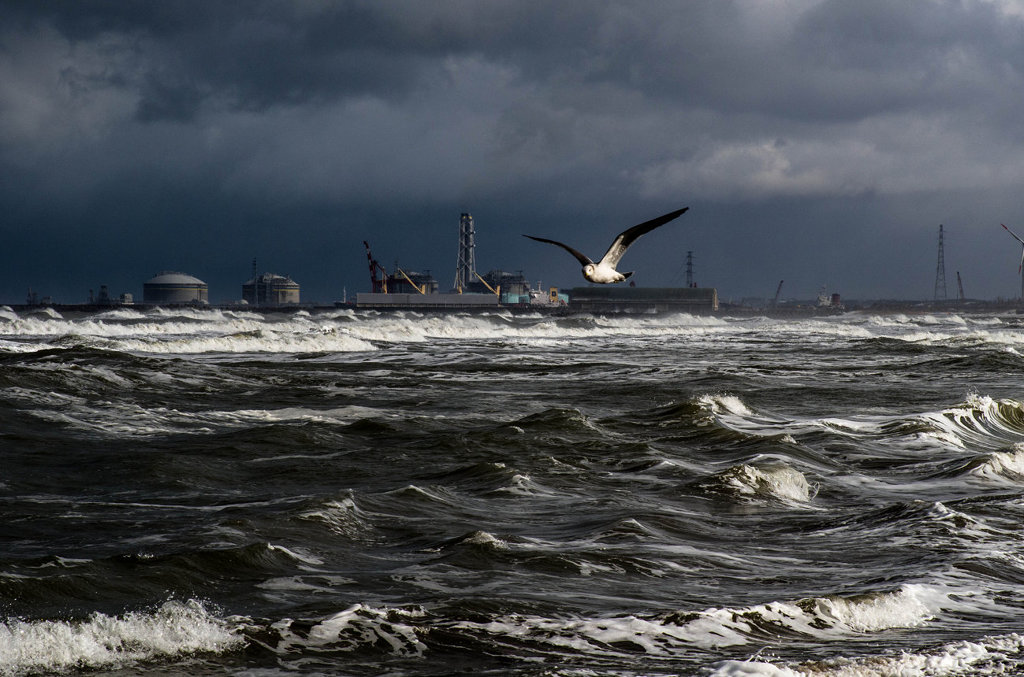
pixel 777 481
pixel 133 420
pixel 102 641
pixel 999 655
pixel 357 627
pixel 825 617
pixel 192 331
pixel 979 422
pixel 1002 465
pixel 484 538
pixel 725 404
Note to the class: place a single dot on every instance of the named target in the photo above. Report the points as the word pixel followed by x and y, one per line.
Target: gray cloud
pixel 789 124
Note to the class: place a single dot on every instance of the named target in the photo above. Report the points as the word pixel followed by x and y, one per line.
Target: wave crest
pixel 987 656
pixel 357 628
pixel 777 481
pixel 102 641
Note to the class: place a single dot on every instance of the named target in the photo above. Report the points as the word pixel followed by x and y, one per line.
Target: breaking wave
pixel 998 655
pixel 777 481
pixel 675 633
pixel 101 641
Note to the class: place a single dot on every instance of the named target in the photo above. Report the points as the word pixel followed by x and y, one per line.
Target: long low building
pixel 426 301
pixel 619 299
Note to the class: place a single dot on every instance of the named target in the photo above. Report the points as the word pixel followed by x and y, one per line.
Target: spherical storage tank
pixel 169 287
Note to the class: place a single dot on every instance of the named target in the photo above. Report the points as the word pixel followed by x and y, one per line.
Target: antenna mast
pixel 465 269
pixel 689 269
pixel 940 272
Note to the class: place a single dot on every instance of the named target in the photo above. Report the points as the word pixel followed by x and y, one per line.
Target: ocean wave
pixel 980 421
pixel 192 331
pixel 776 481
pixel 195 331
pixel 997 466
pixel 343 517
pixel 996 655
pixel 674 634
pixel 1006 465
pixel 119 420
pixel 358 628
pixel 101 641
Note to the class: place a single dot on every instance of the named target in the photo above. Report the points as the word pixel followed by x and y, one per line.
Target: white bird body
pixel 604 271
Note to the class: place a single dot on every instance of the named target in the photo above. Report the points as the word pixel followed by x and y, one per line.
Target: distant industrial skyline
pixel 224 296
pixel 817 141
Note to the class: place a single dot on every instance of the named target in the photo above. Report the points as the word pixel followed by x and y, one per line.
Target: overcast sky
pixel 820 142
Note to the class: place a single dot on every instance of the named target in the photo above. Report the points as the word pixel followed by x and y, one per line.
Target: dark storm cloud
pixel 223 123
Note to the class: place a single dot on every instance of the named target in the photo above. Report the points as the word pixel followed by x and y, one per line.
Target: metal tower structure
pixel 465 268
pixel 689 269
pixel 940 272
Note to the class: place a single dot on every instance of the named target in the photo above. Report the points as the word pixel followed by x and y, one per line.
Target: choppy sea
pixel 203 492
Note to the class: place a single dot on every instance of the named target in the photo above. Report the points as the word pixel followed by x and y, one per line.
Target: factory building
pixel 512 287
pixel 402 282
pixel 270 289
pixel 172 288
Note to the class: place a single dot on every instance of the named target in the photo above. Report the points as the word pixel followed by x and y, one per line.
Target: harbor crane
pixel 377 285
pixel 778 291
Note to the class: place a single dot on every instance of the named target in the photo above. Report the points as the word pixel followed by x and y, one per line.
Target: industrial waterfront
pixel 472 291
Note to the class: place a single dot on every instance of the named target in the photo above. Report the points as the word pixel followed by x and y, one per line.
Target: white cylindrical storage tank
pixel 271 289
pixel 169 287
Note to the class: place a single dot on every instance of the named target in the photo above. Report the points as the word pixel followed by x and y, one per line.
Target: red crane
pixel 377 285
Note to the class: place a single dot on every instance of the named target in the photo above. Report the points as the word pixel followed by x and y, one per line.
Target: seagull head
pixel 588 271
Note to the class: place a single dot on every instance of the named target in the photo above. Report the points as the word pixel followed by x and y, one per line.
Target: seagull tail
pixel 626 275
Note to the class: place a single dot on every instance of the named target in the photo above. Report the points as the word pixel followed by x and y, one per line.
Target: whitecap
pixel 996 655
pixel 358 626
pixel 676 634
pixel 778 481
pixel 342 517
pixel 101 641
pixel 1001 465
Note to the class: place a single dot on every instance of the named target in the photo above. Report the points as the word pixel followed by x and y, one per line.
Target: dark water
pixel 203 492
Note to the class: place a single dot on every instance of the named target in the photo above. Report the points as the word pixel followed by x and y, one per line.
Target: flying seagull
pixel 603 272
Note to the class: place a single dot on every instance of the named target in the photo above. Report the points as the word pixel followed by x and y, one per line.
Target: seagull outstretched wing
pixel 629 236
pixel 580 256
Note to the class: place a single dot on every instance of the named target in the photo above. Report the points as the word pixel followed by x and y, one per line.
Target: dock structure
pixel 618 299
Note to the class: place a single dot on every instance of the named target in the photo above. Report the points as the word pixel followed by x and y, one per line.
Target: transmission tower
pixel 465 269
pixel 940 272
pixel 689 269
